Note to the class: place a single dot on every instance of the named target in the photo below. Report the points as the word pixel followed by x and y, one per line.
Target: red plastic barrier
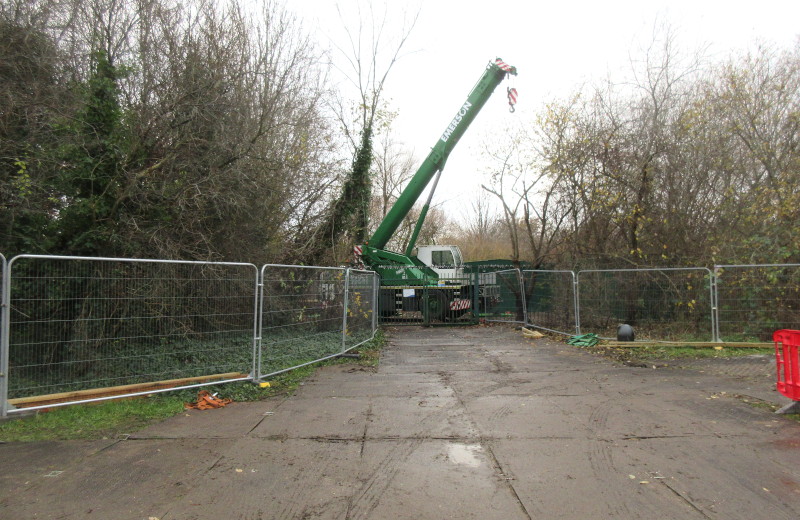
pixel 788 362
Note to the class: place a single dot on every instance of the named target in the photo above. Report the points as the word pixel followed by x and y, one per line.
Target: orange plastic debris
pixel 207 401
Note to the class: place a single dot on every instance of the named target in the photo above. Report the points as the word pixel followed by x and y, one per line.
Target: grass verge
pixel 109 419
pixel 765 405
pixel 97 421
pixel 667 353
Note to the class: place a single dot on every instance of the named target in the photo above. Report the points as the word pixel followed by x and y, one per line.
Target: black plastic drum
pixel 625 333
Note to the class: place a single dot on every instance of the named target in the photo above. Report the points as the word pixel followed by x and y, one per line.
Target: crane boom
pixel 433 281
pixel 495 72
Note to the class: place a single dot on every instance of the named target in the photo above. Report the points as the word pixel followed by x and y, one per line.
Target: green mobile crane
pixel 401 271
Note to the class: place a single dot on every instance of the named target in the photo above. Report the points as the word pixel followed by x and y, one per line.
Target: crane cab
pixel 445 260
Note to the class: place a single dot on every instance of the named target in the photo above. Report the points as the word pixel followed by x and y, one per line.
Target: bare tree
pixel 618 152
pixel 756 102
pixel 393 167
pixel 368 48
pixel 214 142
pixel 481 234
pixel 533 211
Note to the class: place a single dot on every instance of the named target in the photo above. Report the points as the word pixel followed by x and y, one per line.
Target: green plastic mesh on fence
pixel 663 304
pixel 756 300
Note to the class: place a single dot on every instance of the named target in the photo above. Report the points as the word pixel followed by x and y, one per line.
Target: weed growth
pixel 110 419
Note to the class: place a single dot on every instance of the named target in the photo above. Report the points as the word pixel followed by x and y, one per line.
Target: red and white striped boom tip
pixel 503 65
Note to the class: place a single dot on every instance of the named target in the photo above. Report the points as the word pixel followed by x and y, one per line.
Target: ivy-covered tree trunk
pixel 349 216
pixel 92 165
pixel 362 187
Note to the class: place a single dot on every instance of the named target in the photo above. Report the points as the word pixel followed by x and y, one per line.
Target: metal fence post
pixel 714 305
pixel 578 303
pixel 480 296
pixel 575 304
pixel 258 332
pixel 344 312
pixel 719 306
pixel 5 288
pixel 715 282
pixel 523 296
pixel 375 302
pixel 476 288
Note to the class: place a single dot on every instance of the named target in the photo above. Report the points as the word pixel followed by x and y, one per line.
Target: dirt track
pixel 456 423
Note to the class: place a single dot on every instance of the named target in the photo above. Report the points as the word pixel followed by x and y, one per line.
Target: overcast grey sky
pixel 556 46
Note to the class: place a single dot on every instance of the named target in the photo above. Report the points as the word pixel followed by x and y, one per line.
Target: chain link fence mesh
pixel 81 323
pixel 74 324
pixel 361 322
pixel 663 304
pixel 302 316
pixel 551 300
pixel 753 301
pixel 502 296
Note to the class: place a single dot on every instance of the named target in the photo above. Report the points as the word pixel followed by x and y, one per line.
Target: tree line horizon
pixel 202 131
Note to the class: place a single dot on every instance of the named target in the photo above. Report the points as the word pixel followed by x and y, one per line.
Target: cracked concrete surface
pixel 456 423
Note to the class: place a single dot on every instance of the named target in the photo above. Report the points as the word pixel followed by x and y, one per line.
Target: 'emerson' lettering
pixel 456 120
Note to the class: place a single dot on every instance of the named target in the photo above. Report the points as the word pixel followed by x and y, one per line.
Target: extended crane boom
pixel 495 72
pixel 437 270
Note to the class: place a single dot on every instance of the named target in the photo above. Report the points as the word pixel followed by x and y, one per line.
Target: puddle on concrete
pixel 464 454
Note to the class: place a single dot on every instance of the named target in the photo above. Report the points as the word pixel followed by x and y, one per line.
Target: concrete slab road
pixel 455 423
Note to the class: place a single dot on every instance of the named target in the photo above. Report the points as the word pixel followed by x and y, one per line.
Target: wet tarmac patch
pixel 464 454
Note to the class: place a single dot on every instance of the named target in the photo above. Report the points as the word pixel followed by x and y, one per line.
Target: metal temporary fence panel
pixel 502 296
pixel 753 301
pixel 77 324
pixel 428 301
pixel 360 324
pixel 3 338
pixel 302 316
pixel 551 302
pixel 663 304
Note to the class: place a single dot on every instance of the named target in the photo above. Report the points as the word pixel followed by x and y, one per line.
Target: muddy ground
pixel 455 423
